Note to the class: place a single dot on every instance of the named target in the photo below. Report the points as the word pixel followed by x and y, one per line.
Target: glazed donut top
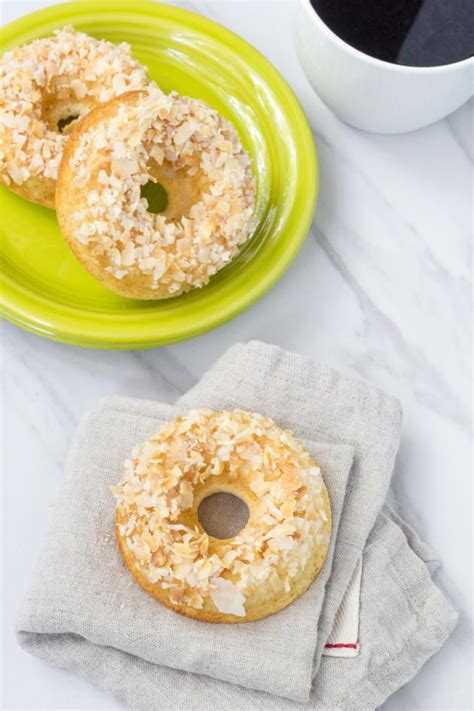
pixel 69 66
pixel 192 143
pixel 163 481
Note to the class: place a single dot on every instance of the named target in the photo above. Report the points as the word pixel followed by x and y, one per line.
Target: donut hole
pixel 223 515
pixel 155 195
pixel 63 122
pixel 182 190
pixel 58 114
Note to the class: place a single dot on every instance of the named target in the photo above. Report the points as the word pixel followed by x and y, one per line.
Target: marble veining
pixel 381 288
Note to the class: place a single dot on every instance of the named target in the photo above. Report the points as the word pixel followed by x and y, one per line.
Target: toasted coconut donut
pixel 43 85
pixel 273 559
pixel 194 154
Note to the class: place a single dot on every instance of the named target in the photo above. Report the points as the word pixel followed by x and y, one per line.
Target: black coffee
pixel 418 33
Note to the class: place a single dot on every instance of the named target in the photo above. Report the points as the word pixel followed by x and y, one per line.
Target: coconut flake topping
pixel 69 68
pixel 167 472
pixel 117 157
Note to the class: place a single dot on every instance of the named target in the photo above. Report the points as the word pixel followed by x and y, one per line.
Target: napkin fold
pixel 85 612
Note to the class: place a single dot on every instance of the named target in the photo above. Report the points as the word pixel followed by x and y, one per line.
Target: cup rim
pixel 375 61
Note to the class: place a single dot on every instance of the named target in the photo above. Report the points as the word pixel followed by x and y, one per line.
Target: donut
pixel 133 142
pixel 262 569
pixel 45 84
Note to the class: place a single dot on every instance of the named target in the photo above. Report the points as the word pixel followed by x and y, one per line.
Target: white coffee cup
pixel 372 94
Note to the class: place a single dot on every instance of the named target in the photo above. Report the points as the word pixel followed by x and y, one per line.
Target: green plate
pixel 44 288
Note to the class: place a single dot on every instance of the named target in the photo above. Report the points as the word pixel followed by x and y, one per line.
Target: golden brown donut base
pixel 260 603
pixel 183 191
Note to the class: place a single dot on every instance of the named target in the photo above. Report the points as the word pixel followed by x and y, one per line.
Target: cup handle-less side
pixel 369 93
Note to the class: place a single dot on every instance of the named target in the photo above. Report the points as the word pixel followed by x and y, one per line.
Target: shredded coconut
pixel 115 159
pixel 165 475
pixel 69 69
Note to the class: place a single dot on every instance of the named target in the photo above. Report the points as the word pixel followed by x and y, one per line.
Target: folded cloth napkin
pixel 82 587
pixel 85 612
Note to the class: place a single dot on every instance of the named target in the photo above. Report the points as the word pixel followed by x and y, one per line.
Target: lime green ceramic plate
pixel 44 288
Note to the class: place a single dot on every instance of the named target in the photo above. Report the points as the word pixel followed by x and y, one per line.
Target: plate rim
pixel 18 308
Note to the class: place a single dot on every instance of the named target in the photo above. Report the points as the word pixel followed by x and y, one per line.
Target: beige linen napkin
pixel 85 612
pixel 81 586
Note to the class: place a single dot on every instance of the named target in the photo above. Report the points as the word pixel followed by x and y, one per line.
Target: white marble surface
pixel 381 288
